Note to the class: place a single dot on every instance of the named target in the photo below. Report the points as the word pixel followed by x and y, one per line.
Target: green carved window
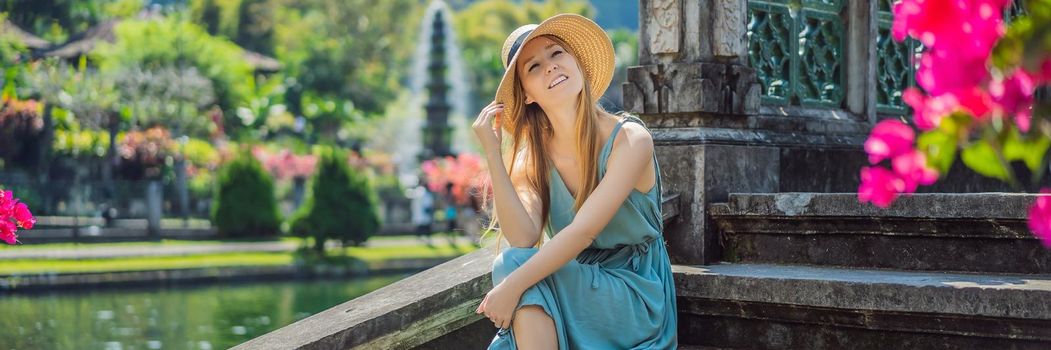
pixel 1014 10
pixel 797 48
pixel 895 63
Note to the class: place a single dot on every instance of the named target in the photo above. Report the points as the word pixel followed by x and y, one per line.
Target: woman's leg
pixel 534 329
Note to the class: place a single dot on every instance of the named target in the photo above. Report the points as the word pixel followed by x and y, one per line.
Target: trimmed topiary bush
pixel 244 203
pixel 340 204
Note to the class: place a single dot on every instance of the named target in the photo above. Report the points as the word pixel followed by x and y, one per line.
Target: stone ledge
pixel 730 136
pixel 990 295
pixel 982 232
pixel 431 303
pixel 989 205
pixel 779 119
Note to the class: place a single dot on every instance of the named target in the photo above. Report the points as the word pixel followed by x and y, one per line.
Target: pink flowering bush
pixel 143 154
pixel 13 215
pixel 284 164
pixel 21 124
pixel 976 80
pixel 465 172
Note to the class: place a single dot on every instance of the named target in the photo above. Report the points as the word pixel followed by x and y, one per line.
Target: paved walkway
pixel 87 251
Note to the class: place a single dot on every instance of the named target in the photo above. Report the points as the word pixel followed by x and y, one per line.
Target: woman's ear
pixel 529 100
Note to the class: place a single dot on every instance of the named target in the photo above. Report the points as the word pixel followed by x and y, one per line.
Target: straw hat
pixel 587 41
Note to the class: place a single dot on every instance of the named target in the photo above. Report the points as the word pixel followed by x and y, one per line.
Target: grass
pixel 160 243
pixel 42 266
pixel 27 236
pixel 347 255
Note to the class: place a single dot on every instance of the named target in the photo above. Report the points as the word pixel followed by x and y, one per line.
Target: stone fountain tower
pixel 436 130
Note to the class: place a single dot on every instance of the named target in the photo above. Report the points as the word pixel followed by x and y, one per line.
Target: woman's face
pixel 548 73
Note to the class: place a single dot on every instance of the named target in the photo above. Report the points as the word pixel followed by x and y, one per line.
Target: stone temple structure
pixel 759 110
pixel 437 133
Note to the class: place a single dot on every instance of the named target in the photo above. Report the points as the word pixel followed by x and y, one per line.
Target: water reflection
pixel 199 317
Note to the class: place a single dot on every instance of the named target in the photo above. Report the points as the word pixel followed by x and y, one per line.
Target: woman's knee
pixel 534 328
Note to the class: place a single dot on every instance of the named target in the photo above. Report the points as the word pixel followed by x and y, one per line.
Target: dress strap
pixel 608 148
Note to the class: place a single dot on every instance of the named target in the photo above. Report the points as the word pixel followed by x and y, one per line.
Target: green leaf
pixel 940 149
pixel 980 157
pixel 956 124
pixel 1009 49
pixel 1030 150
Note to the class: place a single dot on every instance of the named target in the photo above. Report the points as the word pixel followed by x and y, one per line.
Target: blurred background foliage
pixel 95 91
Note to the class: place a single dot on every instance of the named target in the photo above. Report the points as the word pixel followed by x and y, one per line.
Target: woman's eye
pixel 533 66
pixel 556 53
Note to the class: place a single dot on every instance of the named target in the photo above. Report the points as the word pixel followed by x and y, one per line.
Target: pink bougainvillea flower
pixel 975 101
pixel 7 232
pixel 1014 97
pixel 23 217
pixel 888 139
pixel 1040 217
pixel 942 71
pixel 7 204
pixel 928 111
pixel 912 168
pixel 879 186
pixel 12 216
pixel 963 26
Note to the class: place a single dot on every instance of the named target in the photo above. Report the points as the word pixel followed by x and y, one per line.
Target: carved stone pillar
pixel 692 56
pixel 693 66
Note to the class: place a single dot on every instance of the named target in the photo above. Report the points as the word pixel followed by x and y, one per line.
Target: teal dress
pixel 618 293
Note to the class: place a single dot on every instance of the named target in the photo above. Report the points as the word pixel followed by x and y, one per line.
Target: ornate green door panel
pixel 797 49
pixel 895 68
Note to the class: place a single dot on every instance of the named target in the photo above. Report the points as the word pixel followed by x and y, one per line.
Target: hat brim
pixel 589 44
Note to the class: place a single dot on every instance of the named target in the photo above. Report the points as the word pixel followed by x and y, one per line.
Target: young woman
pixel 590 180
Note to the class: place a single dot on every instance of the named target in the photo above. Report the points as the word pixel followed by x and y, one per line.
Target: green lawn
pixel 39 266
pixel 347 256
pixel 27 235
pixel 164 242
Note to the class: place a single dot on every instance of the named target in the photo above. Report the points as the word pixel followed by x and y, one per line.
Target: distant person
pixel 450 210
pixel 422 207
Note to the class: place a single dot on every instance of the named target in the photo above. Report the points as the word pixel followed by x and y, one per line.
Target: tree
pixel 255 26
pixel 346 49
pixel 54 20
pixel 244 204
pixel 172 43
pixel 167 96
pixel 341 204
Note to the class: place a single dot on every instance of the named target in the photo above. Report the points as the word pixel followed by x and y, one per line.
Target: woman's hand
pixel 499 305
pixel 487 127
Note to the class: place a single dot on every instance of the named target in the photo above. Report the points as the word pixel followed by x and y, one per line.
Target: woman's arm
pixel 632 153
pixel 517 206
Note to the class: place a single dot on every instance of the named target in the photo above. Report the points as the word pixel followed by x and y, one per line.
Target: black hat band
pixel 516 46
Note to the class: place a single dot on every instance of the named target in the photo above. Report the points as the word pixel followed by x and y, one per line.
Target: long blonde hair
pixel 530 132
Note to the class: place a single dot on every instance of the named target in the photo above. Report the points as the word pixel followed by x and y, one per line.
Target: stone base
pixel 984 232
pixel 794 307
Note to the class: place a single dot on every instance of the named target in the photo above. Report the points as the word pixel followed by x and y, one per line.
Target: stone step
pixel 797 307
pixel 981 232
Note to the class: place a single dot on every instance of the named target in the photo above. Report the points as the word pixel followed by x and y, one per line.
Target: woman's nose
pixel 551 68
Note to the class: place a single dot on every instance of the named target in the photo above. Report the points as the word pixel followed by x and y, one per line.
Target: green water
pixel 197 317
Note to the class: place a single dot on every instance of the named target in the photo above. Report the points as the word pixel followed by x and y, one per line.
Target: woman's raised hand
pixel 487 127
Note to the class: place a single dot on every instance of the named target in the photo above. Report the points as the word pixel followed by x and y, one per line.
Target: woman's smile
pixel 558 80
